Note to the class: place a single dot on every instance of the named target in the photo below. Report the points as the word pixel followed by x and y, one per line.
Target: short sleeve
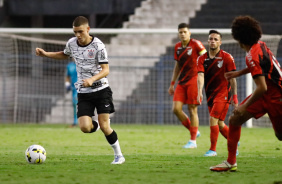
pixel 200 64
pixel 230 63
pixel 67 50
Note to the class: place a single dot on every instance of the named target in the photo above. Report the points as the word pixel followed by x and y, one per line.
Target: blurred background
pixel 141 63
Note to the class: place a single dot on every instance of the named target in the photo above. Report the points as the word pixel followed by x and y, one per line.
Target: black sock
pixel 95 126
pixel 112 138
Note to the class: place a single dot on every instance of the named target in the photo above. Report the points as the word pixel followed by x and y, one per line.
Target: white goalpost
pixel 141 63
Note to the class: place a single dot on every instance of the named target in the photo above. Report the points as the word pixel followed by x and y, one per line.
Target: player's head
pixel 184 32
pixel 246 30
pixel 80 20
pixel 81 29
pixel 214 40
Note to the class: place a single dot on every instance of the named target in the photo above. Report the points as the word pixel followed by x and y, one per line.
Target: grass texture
pixel 153 153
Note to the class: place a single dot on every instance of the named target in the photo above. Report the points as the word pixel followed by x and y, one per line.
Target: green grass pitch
pixel 154 155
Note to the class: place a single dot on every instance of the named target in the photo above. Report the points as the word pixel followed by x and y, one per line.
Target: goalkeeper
pixel 71 79
pixel 93 89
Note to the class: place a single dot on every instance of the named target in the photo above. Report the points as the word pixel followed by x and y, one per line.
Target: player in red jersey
pixel 266 98
pixel 211 68
pixel 186 53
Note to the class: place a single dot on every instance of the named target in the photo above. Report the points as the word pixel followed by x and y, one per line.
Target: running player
pixel 266 98
pixel 211 68
pixel 93 89
pixel 186 53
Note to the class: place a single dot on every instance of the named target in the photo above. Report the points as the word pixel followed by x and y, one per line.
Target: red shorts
pixel 187 93
pixel 270 103
pixel 219 110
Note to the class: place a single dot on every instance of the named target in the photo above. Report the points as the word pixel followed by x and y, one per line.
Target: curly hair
pixel 246 30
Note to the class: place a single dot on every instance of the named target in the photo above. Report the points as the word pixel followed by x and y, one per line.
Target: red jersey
pixel 261 61
pixel 217 88
pixel 187 59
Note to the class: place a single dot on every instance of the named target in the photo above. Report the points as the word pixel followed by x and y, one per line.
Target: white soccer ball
pixel 35 154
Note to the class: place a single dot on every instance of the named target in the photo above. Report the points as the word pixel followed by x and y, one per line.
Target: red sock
pixel 224 131
pixel 193 133
pixel 233 139
pixel 213 136
pixel 186 123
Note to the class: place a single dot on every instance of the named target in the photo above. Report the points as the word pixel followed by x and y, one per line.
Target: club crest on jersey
pixel 189 51
pixel 90 53
pixel 220 63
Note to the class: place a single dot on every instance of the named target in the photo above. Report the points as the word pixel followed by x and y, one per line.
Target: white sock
pixel 116 148
pixel 193 141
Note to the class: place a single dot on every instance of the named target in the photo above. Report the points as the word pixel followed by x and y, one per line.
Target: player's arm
pixel 103 73
pixel 200 81
pixel 53 55
pixel 174 77
pixel 233 84
pixel 261 88
pixel 234 74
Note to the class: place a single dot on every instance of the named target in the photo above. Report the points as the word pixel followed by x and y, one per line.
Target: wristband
pixel 235 99
pixel 172 83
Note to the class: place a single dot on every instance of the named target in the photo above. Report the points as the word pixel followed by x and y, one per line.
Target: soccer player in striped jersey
pixel 211 68
pixel 186 53
pixel 93 89
pixel 266 98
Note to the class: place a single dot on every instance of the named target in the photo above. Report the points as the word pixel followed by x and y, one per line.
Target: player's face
pixel 82 34
pixel 214 41
pixel 184 34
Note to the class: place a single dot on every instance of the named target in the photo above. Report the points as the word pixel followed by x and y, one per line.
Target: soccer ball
pixel 35 154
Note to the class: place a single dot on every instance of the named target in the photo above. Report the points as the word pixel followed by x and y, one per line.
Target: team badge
pixel 90 53
pixel 189 51
pixel 220 63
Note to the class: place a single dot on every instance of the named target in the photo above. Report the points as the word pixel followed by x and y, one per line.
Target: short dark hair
pixel 216 32
pixel 183 25
pixel 80 20
pixel 246 30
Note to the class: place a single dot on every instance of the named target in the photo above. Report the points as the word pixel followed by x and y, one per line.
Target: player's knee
pixel 176 111
pixel 232 119
pixel 279 136
pixel 85 129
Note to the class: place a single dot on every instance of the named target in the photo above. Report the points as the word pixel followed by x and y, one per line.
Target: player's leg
pixel 193 111
pixel 223 129
pixel 274 109
pixel 191 100
pixel 179 99
pixel 180 114
pixel 235 122
pixel 87 125
pixel 105 107
pixel 85 110
pixel 214 131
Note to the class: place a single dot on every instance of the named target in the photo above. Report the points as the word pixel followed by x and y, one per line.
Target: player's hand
pixel 230 75
pixel 87 82
pixel 171 90
pixel 234 101
pixel 200 98
pixel 40 52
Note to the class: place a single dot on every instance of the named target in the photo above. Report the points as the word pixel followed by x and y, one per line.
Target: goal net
pixel 141 64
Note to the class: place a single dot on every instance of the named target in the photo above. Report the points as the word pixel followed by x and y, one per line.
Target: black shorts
pixel 101 100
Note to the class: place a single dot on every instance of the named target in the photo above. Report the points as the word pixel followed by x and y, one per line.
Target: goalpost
pixel 141 63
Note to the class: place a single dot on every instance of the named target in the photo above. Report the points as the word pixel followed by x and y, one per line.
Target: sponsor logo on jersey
pixel 90 53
